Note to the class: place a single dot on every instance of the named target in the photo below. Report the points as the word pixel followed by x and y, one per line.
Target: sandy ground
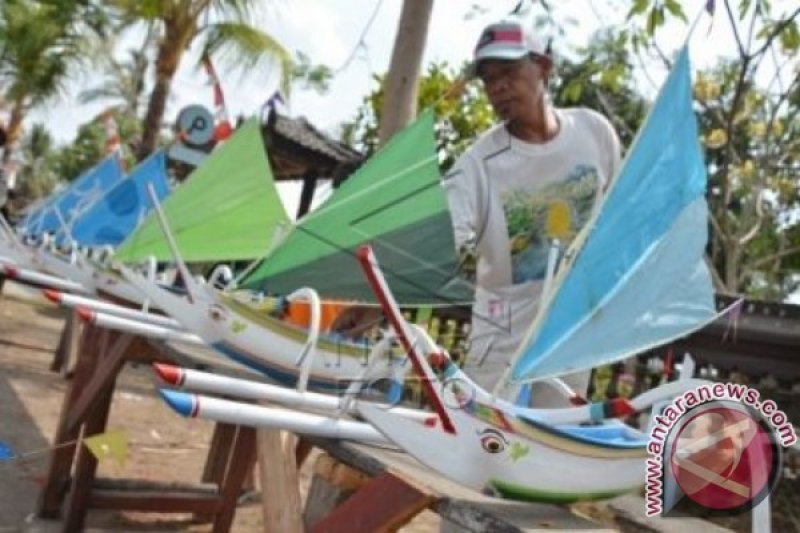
pixel 162 446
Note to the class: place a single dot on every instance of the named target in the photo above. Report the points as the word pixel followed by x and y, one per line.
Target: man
pixel 534 178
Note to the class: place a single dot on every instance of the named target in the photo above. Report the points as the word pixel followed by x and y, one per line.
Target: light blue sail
pixel 640 279
pixel 113 217
pixel 79 195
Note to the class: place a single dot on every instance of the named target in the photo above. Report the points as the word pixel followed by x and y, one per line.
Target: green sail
pixel 227 210
pixel 396 203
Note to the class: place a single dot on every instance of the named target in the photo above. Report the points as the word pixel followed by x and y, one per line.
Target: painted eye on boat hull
pixel 493 441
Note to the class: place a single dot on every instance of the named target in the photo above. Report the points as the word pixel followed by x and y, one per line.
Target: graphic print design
pixel 556 211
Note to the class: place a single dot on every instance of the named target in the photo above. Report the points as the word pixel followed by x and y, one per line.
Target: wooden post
pixel 86 463
pixel 279 481
pixel 306 195
pixel 65 440
pixel 216 462
pixel 241 458
pixel 103 378
pixel 67 344
pixel 302 451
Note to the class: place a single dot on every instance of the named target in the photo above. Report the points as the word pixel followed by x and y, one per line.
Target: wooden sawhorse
pixel 101 355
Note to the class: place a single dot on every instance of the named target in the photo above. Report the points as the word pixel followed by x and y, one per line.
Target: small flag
pixel 223 128
pixel 111 444
pixel 274 101
pixel 6 453
pixel 734 312
pixel 113 140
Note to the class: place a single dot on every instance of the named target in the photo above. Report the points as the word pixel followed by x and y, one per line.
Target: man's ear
pixel 546 64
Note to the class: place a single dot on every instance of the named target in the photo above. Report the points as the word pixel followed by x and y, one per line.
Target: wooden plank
pixel 386 503
pixel 86 462
pixel 103 379
pixel 302 451
pixel 156 501
pixel 350 455
pixel 217 459
pixel 323 498
pixel 67 344
pixel 242 458
pixel 466 509
pixel 306 195
pixel 279 481
pixel 147 485
pixel 58 474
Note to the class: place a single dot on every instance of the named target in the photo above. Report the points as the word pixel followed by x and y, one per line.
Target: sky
pixel 328 32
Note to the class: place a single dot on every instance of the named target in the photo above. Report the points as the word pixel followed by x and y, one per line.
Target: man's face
pixel 514 87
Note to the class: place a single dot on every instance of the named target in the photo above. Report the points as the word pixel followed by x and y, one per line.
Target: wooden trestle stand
pixel 100 355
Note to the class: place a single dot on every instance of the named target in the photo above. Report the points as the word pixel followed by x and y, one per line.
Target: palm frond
pixel 105 92
pixel 245 48
pixel 241 10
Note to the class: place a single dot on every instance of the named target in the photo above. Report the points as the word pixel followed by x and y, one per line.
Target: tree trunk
pixel 400 101
pixel 169 57
pixel 14 128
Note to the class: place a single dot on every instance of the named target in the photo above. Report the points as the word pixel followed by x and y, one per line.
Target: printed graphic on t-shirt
pixel 555 211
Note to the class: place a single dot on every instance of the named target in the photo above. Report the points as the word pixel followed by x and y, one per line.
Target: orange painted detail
pixel 299 313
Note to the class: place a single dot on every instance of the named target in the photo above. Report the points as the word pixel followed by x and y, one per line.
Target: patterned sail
pixel 394 202
pixel 637 278
pixel 228 209
pixel 79 195
pixel 113 217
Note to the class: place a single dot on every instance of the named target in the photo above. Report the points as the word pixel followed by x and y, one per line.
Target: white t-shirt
pixel 508 200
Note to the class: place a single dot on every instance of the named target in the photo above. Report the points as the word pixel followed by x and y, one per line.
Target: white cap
pixel 507 39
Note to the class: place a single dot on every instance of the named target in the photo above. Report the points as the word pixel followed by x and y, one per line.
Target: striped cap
pixel 507 39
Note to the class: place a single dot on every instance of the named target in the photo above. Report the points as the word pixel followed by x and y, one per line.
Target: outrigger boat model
pixel 634 278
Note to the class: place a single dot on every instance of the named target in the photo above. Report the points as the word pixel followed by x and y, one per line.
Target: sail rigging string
pixel 361 43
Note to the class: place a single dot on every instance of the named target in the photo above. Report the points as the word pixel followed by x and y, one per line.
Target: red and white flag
pixel 222 126
pixel 113 140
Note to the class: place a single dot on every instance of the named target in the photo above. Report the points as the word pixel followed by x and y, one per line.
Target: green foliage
pixel 89 147
pixel 316 77
pixel 124 80
pixel 221 29
pixel 459 118
pixel 43 166
pixel 601 79
pixel 752 137
pixel 36 178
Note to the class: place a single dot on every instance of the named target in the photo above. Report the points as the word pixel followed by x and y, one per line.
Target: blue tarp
pixel 80 194
pixel 110 220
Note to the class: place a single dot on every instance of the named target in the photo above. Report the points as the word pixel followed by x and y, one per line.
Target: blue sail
pixel 79 195
pixel 637 278
pixel 113 217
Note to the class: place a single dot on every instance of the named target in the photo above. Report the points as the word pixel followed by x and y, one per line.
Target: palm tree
pixel 223 26
pixel 36 179
pixel 124 82
pixel 400 104
pixel 42 44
